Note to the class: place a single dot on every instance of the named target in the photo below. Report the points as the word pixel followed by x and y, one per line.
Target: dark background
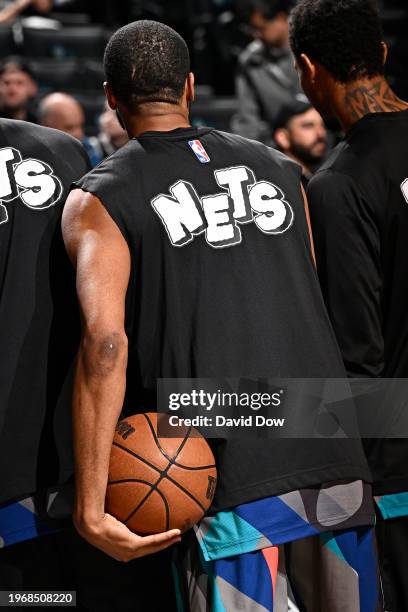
pixel 70 59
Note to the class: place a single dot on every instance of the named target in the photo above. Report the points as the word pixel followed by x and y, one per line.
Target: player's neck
pixel 157 117
pixel 355 100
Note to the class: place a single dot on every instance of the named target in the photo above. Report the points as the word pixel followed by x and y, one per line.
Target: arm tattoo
pixel 376 97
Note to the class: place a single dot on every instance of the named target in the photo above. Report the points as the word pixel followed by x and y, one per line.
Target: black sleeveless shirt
pixel 223 285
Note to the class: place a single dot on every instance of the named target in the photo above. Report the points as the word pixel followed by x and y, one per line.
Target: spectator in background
pixel 301 134
pixel 111 134
pixel 17 89
pixel 9 11
pixel 266 79
pixel 63 112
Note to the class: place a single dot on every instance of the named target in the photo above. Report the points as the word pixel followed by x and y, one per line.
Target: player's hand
pixel 115 539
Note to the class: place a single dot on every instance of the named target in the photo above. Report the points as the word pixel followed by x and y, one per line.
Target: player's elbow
pixel 104 351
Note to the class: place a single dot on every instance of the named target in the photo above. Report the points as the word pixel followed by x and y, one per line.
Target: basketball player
pixel 39 334
pixel 194 259
pixel 360 218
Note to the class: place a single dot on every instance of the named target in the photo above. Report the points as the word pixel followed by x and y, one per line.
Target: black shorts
pixel 64 561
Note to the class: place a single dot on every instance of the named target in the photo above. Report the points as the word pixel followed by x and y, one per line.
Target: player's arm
pixel 309 225
pixel 348 262
pixel 102 260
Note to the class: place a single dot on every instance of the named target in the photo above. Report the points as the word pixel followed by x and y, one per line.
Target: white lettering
pixel 184 214
pixel 181 214
pixel 237 181
pixel 42 188
pixel 275 215
pixel 222 229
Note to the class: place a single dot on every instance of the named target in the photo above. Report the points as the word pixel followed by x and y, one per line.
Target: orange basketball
pixel 158 484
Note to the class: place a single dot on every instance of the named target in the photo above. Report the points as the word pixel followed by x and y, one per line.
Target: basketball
pixel 158 484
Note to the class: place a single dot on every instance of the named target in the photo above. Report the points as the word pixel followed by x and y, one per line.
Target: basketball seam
pixel 180 465
pixel 156 439
pixel 122 481
pixel 127 450
pixel 186 467
pixel 186 492
pixel 154 487
pixel 140 504
pixel 172 461
pixel 163 474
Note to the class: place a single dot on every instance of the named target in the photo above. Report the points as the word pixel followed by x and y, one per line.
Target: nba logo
pixel 199 151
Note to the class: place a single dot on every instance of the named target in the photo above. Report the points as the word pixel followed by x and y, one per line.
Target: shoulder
pixel 113 168
pixel 363 156
pixel 333 195
pixel 253 54
pixel 270 156
pixel 38 141
pixel 38 132
pixel 328 181
pixel 85 220
pixel 343 165
pixel 112 181
pixel 65 142
pixel 364 149
pixel 255 147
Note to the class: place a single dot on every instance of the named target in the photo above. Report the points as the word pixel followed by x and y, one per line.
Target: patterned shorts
pixel 331 572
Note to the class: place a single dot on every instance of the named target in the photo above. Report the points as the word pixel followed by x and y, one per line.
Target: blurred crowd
pixel 58 110
pixel 247 82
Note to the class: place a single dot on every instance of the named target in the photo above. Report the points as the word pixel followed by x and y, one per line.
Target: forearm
pixel 98 399
pixel 11 12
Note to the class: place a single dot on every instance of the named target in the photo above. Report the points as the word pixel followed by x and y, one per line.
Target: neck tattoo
pixel 374 97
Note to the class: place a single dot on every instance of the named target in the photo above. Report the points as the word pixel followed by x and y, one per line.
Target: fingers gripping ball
pixel 158 484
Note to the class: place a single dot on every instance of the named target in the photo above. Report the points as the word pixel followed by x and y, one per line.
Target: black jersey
pixel 223 285
pixel 359 208
pixel 38 323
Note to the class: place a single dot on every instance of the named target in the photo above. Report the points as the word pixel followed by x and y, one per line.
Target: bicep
pixel 102 260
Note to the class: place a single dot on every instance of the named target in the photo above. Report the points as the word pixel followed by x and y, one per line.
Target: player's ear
pixel 190 87
pixel 385 51
pixel 112 102
pixel 281 138
pixel 309 67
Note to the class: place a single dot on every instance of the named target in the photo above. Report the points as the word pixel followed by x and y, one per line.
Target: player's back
pixel 37 301
pixel 223 285
pixel 223 282
pixel 374 156
pixel 359 208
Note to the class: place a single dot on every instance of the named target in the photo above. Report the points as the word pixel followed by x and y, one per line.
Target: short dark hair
pixel 146 61
pixel 298 106
pixel 343 35
pixel 268 8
